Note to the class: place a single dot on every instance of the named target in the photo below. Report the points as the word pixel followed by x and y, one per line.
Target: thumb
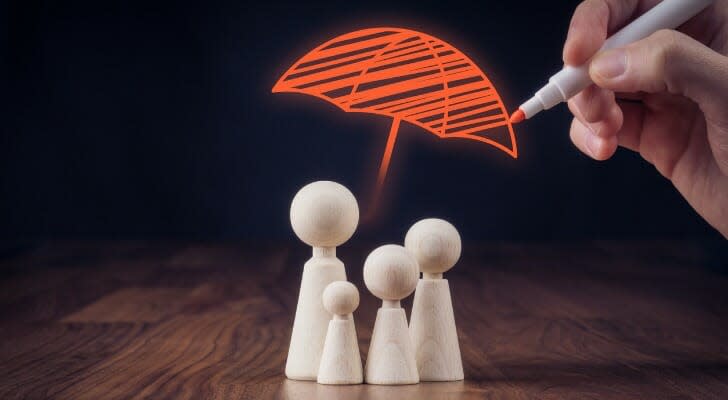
pixel 666 61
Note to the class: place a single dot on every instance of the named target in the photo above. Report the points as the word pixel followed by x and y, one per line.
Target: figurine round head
pixel 341 298
pixel 435 243
pixel 324 214
pixel 391 272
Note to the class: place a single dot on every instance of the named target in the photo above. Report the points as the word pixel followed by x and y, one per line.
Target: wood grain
pixel 434 333
pixel 171 320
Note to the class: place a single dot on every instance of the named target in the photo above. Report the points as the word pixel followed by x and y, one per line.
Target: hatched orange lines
pixel 407 76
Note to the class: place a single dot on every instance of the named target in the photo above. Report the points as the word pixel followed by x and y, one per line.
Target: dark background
pixel 130 119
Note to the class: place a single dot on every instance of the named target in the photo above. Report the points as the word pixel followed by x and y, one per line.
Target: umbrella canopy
pixel 405 75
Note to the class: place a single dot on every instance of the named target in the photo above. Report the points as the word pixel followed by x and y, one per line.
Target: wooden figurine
pixel 340 360
pixel 435 244
pixel 324 215
pixel 390 273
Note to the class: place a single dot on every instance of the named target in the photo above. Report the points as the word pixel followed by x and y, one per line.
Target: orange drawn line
pixel 399 49
pixel 329 72
pixel 399 71
pixel 413 107
pixel 362 38
pixel 481 86
pixel 473 97
pixel 438 108
pixel 467 92
pixel 457 66
pixel 512 152
pixel 474 115
pixel 386 158
pixel 371 63
pixel 298 75
pixel 402 80
pixel 475 111
pixel 328 79
pixel 465 127
pixel 409 53
pixel 476 104
pixel 326 73
pixel 453 61
pixel 396 95
pixel 426 66
pixel 408 87
pixel 460 72
pixel 320 52
pixel 333 85
pixel 405 64
pixel 339 56
pixel 409 39
pixel 409 100
pixel 446 88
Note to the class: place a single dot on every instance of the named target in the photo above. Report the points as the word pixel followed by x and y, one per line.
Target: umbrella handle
pixel 383 167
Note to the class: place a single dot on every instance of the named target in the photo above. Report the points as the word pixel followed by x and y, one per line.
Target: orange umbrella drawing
pixel 407 76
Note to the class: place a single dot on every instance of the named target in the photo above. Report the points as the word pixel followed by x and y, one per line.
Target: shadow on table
pixel 559 372
pixel 512 378
pixel 300 390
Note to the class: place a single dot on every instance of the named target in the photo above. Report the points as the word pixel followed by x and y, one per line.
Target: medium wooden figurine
pixel 390 273
pixel 435 244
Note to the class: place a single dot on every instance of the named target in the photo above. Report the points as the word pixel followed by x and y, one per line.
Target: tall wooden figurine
pixel 324 215
pixel 436 246
pixel 390 273
pixel 340 360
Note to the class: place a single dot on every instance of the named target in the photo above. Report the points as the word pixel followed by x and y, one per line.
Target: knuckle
pixel 590 12
pixel 655 57
pixel 669 41
pixel 587 30
pixel 669 45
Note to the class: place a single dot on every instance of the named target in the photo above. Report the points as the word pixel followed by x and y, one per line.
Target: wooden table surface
pixel 164 320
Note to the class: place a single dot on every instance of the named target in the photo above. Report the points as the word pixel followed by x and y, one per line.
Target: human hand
pixel 665 96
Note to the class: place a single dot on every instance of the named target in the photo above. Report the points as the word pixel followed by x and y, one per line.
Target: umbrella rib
pixel 445 88
pixel 371 61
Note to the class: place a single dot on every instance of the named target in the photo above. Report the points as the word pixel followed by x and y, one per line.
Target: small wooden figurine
pixel 340 360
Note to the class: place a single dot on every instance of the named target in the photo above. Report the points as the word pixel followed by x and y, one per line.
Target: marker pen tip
pixel 517 116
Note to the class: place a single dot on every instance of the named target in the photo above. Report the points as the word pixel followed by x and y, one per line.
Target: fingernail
pixel 592 144
pixel 610 64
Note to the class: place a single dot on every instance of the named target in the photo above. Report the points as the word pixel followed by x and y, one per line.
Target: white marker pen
pixel 668 14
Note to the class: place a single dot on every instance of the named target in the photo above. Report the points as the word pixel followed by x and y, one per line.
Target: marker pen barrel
pixel 669 14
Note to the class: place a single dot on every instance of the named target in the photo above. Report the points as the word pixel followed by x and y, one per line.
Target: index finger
pixel 594 20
